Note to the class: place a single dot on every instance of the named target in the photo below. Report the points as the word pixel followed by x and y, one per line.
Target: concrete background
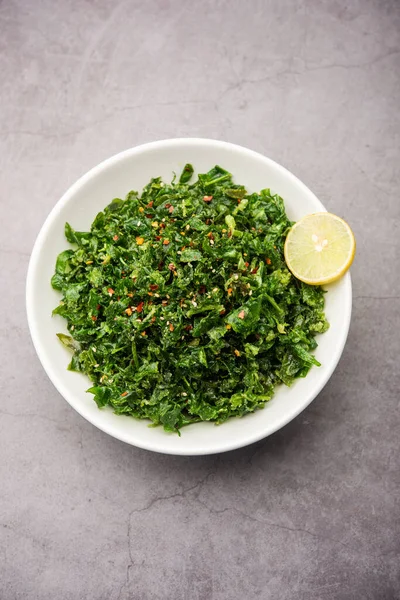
pixel 311 513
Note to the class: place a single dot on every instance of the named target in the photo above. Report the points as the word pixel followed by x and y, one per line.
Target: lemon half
pixel 319 248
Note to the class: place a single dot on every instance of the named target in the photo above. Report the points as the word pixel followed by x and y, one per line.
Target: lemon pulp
pixel 319 248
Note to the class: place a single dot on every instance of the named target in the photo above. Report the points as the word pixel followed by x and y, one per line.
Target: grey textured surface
pixel 311 513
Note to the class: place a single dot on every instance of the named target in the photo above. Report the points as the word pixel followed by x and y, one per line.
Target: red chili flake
pixel 238 200
pixel 130 294
pixel 153 287
pixel 162 225
pixel 153 319
pixel 149 216
pixel 149 293
pixel 242 314
pixel 268 261
pixel 143 333
pixel 210 235
pixel 171 327
pixel 167 205
pixel 93 318
pixel 166 242
pixel 229 290
pixel 207 198
pixel 222 312
pixel 149 303
pixel 246 264
pixel 229 233
pixel 158 238
pixel 171 267
pixel 164 302
pixel 191 243
pixel 139 307
pixel 171 209
pixel 257 336
pixel 202 289
pixel 254 271
pixel 124 394
pixel 160 265
pixel 98 307
pixel 123 276
pixel 188 327
pixel 150 204
pixel 128 311
pixel 208 221
pixel 115 238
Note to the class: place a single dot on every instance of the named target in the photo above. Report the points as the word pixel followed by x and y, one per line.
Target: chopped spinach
pixel 180 306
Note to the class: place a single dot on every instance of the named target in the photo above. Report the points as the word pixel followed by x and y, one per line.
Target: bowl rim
pixel 34 329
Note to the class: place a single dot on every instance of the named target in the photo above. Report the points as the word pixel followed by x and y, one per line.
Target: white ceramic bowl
pixel 115 177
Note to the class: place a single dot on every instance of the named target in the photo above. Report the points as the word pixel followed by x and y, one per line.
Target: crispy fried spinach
pixel 180 306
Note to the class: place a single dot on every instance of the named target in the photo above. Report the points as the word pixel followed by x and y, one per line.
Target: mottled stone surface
pixel 313 512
